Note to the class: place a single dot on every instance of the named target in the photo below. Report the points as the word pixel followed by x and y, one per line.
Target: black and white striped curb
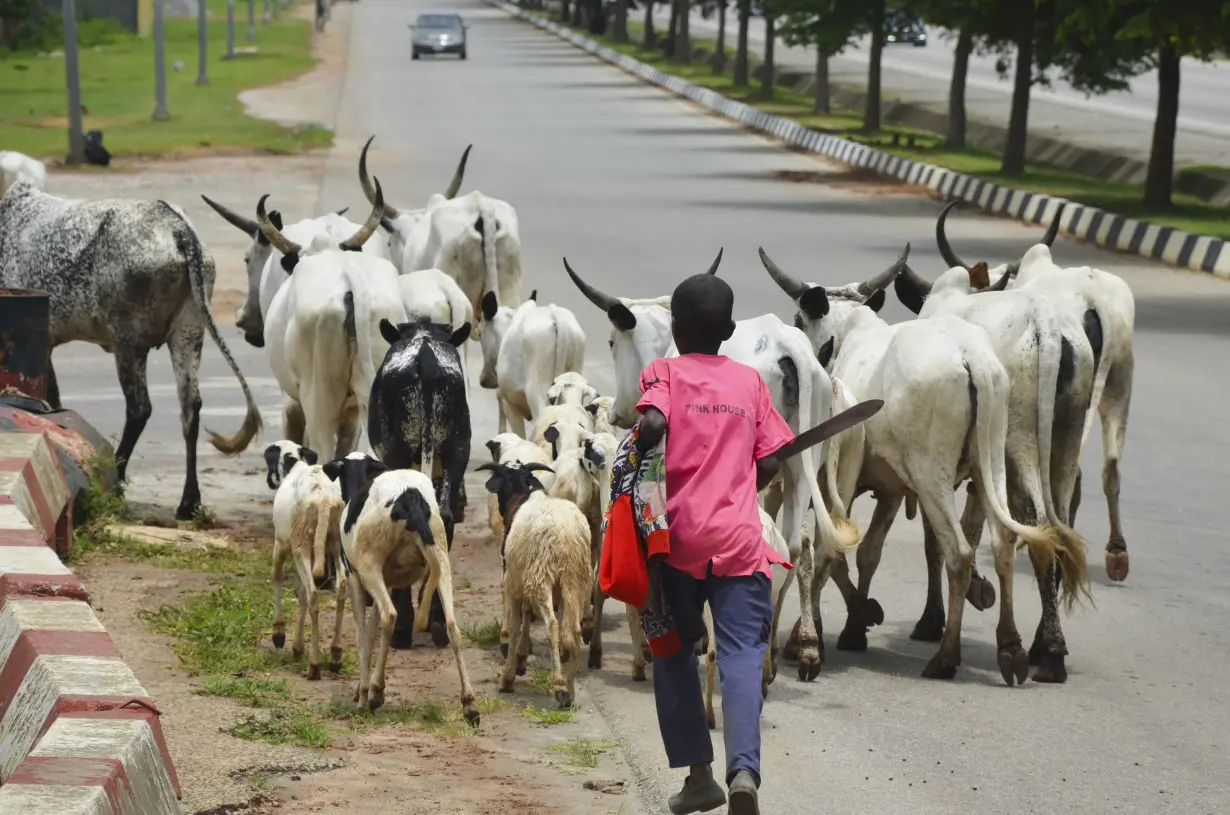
pixel 1196 252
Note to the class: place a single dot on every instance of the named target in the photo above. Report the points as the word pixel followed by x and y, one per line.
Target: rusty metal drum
pixel 25 341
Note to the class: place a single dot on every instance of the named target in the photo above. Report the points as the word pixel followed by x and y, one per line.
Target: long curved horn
pixel 885 278
pixel 234 218
pixel 486 466
pixel 390 211
pixel 916 280
pixel 455 184
pixel 793 288
pixel 370 226
pixel 950 257
pixel 534 467
pixel 1053 229
pixel 279 241
pixel 600 299
pixel 717 261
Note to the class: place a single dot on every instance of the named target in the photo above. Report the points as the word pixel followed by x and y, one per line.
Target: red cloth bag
pixel 623 574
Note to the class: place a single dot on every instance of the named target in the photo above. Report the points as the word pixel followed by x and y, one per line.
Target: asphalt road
pixel 639 190
pixel 1120 122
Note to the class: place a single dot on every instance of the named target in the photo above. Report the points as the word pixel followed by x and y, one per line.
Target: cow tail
pixel 837 535
pixel 490 262
pixel 1049 353
pixel 189 245
pixel 358 326
pixel 1106 354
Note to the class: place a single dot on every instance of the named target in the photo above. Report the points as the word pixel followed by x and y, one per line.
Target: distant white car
pixel 16 167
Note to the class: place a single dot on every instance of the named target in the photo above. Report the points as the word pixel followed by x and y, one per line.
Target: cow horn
pixel 885 278
pixel 279 241
pixel 599 299
pixel 371 225
pixel 717 261
pixel 916 280
pixel 390 211
pixel 1002 283
pixel 342 211
pixel 234 218
pixel 950 257
pixel 794 289
pixel 455 184
pixel 1053 229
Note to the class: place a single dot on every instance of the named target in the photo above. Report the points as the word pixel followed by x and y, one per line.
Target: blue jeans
pixel 742 619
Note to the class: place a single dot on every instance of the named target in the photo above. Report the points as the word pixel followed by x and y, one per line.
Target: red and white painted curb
pixel 79 735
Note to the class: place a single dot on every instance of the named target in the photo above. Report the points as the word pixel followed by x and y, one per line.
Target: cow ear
pixel 386 225
pixel 979 275
pixel 534 295
pixel 334 468
pixel 489 306
pixel 275 218
pixel 814 302
pixel 551 434
pixel 389 331
pixel 876 301
pixel 460 335
pixel 910 295
pixel 308 455
pixel 825 355
pixel 289 262
pixel 621 317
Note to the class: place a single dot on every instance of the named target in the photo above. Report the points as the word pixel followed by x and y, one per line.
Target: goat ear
pixel 308 455
pixel 494 483
pixel 814 302
pixel 592 408
pixel 389 331
pixel 493 447
pixel 334 469
pixel 621 317
pixel 489 306
pixel 459 336
pixel 876 301
pixel 551 434
pixel 534 295
pixel 374 468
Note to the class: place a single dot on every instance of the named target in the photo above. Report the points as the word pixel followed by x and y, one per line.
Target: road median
pixel 1109 230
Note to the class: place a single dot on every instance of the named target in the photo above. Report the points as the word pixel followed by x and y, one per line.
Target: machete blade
pixel 830 427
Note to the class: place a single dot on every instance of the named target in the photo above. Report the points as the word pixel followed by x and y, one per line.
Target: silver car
pixel 438 34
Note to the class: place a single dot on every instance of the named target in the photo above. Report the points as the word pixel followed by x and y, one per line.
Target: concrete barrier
pixel 79 735
pixel 1201 253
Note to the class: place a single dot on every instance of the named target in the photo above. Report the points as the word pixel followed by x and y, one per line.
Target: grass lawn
pixel 1188 213
pixel 117 88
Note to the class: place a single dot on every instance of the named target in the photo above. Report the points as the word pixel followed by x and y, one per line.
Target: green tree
pixel 829 26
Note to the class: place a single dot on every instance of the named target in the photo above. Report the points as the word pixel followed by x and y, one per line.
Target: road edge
pixel 80 734
pixel 1117 233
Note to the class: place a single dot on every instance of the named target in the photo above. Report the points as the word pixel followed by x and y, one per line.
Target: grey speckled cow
pixel 127 276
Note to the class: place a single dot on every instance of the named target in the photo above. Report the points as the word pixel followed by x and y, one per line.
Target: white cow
pixel 1104 304
pixel 1050 364
pixel 783 356
pixel 322 333
pixel 945 419
pixel 16 167
pixel 524 350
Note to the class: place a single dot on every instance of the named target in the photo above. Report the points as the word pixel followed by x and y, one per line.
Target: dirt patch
pixel 864 181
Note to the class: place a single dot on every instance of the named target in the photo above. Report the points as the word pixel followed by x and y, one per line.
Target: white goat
pixel 601 408
pixel 510 449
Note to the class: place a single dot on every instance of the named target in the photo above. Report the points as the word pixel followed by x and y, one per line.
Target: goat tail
pixel 189 245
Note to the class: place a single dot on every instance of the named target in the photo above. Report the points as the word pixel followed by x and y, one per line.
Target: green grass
pixel 117 88
pixel 483 634
pixel 582 754
pixel 1188 213
pixel 550 715
pixel 540 678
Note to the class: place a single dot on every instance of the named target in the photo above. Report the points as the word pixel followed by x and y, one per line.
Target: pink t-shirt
pixel 720 420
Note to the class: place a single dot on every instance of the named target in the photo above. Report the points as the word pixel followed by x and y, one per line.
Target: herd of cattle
pixel 995 383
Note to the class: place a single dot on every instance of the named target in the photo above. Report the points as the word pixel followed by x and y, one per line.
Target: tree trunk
pixel 719 52
pixel 745 13
pixel 563 11
pixel 821 104
pixel 1018 120
pixel 577 19
pixel 672 30
pixel 769 68
pixel 683 43
pixel 871 115
pixel 956 90
pixel 1159 182
pixel 650 38
pixel 620 33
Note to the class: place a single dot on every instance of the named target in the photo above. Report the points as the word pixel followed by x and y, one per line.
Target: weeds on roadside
pixel 549 716
pixel 540 678
pixel 432 716
pixel 284 726
pixel 582 753
pixel 484 634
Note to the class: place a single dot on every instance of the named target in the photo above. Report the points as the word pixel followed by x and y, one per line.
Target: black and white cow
pixel 419 419
pixel 127 276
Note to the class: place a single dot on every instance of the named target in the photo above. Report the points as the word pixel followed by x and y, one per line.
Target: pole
pixel 265 16
pixel 251 20
pixel 160 66
pixel 202 30
pixel 230 29
pixel 76 133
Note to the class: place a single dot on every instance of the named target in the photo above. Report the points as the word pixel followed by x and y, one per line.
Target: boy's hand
pixel 766 469
pixel 653 427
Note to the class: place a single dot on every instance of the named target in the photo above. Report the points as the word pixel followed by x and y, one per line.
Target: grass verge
pixel 1188 213
pixel 582 754
pixel 117 90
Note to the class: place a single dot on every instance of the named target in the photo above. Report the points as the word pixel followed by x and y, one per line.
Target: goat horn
pixel 717 261
pixel 279 241
pixel 486 466
pixel 370 225
pixel 390 211
pixel 793 288
pixel 885 278
pixel 600 299
pixel 950 257
pixel 534 467
pixel 455 184
pixel 234 218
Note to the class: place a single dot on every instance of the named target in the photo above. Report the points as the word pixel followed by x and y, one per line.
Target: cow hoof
pixel 564 699
pixel 587 633
pixel 930 628
pixel 375 701
pixel 981 593
pixel 521 669
pixel 764 689
pixel 279 641
pixel 638 673
pixel 472 716
pixel 852 639
pixel 504 650
pixel 335 667
pixel 402 640
pixel 313 673
pixel 595 659
pixel 506 687
pixel 1051 669
pixel 940 668
pixel 711 720
pixel 809 663
pixel 1013 664
pixel 439 635
pixel 1117 565
pixel 871 612
pixel 791 652
pixel 296 653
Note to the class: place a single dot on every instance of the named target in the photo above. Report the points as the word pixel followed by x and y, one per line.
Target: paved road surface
pixel 1121 121
pixel 639 190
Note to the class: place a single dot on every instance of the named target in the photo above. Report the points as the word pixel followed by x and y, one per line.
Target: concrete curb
pixel 1199 253
pixel 78 733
